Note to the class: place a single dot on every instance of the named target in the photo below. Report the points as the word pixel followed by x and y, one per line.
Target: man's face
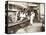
pixel 32 12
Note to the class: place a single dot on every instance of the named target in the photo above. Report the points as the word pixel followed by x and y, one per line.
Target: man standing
pixel 32 17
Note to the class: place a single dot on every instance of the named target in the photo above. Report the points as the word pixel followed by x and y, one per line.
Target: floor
pixel 26 28
pixel 36 27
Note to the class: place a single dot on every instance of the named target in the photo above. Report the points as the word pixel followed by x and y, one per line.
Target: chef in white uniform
pixel 22 16
pixel 32 17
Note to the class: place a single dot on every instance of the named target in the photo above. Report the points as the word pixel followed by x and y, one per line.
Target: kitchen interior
pixel 16 10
